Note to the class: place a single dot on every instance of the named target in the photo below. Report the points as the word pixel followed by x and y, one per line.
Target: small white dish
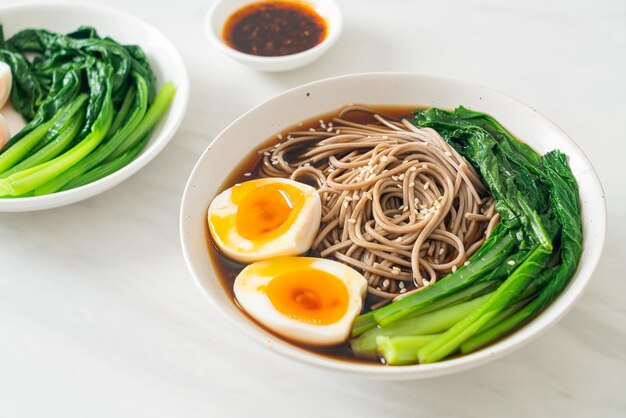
pixel 221 10
pixel 305 102
pixel 125 28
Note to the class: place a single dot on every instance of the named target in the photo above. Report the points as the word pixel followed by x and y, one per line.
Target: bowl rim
pixel 211 29
pixel 159 142
pixel 530 331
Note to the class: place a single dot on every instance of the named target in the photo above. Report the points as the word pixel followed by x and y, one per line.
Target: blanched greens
pixel 527 260
pixel 89 102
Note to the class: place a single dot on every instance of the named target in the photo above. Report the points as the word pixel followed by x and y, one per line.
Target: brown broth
pixel 274 28
pixel 228 269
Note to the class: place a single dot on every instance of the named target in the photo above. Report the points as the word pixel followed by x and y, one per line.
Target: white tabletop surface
pixel 99 316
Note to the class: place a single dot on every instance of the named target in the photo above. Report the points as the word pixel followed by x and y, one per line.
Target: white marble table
pixel 100 318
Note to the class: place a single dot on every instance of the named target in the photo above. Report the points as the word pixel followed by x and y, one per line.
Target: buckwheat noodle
pixel 398 203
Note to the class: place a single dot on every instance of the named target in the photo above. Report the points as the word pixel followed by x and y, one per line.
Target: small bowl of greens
pixel 94 94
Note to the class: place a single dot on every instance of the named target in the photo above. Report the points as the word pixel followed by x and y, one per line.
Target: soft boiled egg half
pixel 313 301
pixel 265 218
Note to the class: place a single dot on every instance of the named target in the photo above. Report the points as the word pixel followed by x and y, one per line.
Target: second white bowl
pixel 127 29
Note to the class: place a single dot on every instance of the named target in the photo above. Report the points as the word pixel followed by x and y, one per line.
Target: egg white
pixel 5 134
pixel 6 78
pixel 250 296
pixel 296 240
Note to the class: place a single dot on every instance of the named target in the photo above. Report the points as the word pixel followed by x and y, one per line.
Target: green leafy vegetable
pixel 89 102
pixel 567 208
pixel 433 322
pixel 529 258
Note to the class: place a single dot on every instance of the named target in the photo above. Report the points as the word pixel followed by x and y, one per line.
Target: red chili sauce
pixel 274 28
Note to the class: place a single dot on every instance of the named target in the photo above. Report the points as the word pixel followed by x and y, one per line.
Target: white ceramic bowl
pixel 221 10
pixel 307 101
pixel 125 28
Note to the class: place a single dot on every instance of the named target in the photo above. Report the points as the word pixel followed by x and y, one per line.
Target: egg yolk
pixel 311 296
pixel 265 211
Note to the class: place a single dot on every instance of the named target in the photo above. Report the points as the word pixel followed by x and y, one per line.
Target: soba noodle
pixel 398 203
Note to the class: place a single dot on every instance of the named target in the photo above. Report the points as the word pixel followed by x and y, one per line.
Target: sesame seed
pixel 441 251
pixel 400 207
pixel 398 239
pixel 467 263
pixel 424 165
pixel 448 154
pixel 395 272
pixel 453 269
pixel 401 177
pixel 399 186
pixel 267 154
pixel 401 285
pixel 279 136
pixel 413 168
pixel 247 174
pixel 351 221
pixel 402 290
pixel 385 282
pixel 274 162
pixel 385 137
pixel 511 262
pixel 384 158
pixel 412 184
pixel 312 129
pixel 426 185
